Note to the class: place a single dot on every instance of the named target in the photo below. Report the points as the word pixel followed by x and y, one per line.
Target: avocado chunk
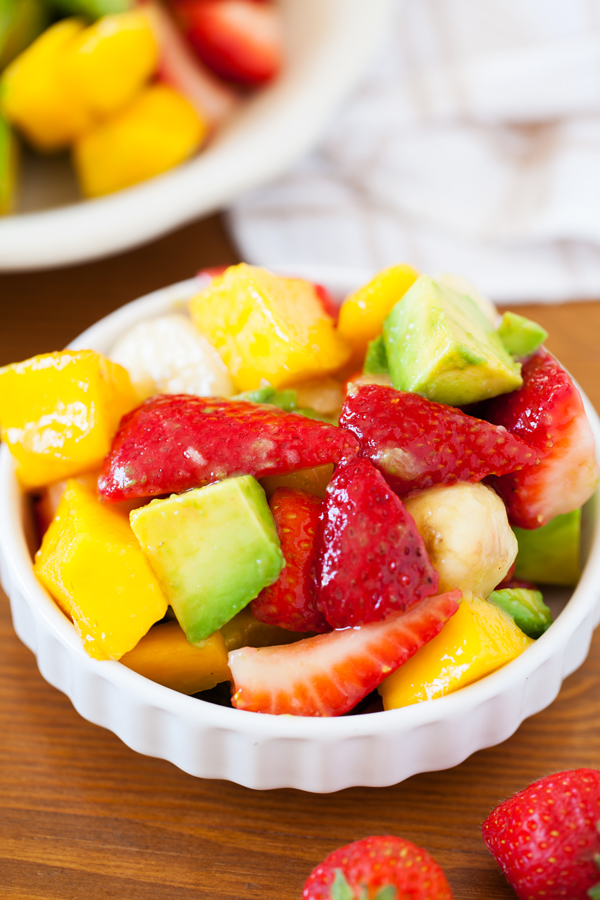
pixel 550 554
pixel 376 362
pixel 286 400
pixel 8 167
pixel 526 608
pixel 92 9
pixel 213 550
pixel 441 345
pixel 520 336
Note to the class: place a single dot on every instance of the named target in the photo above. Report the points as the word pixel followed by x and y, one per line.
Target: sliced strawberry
pixel 292 601
pixel 172 443
pixel 547 412
pixel 240 40
pixel 546 840
pixel 378 867
pixel 329 674
pixel 371 560
pixel 180 68
pixel 417 443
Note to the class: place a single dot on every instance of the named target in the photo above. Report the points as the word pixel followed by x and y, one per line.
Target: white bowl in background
pixel 328 43
pixel 265 751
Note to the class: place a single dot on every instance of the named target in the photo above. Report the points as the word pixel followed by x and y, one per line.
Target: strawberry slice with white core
pixel 329 674
pixel 547 412
pixel 180 68
pixel 240 40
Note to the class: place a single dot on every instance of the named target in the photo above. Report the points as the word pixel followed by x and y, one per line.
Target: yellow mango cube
pixel 35 95
pixel 91 563
pixel 157 131
pixel 477 640
pixel 59 412
pixel 166 656
pixel 362 313
pixel 268 328
pixel 110 61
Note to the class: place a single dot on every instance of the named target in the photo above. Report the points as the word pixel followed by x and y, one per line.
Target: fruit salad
pixel 130 88
pixel 269 503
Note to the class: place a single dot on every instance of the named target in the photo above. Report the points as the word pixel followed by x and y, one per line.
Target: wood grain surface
pixel 82 817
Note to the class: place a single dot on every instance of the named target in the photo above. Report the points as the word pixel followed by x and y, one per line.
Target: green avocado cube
pixel 441 345
pixel 213 550
pixel 550 554
pixel 526 608
pixel 520 336
pixel 376 362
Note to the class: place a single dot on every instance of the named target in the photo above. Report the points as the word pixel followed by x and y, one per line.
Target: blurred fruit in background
pixel 131 87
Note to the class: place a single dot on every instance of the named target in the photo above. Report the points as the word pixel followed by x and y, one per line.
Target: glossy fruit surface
pixel 91 563
pixel 292 601
pixel 476 641
pixel 545 838
pixel 547 413
pixel 371 560
pixel 329 674
pixel 417 443
pixel 173 443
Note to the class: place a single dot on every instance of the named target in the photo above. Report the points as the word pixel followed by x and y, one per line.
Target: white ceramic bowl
pixel 263 751
pixel 328 42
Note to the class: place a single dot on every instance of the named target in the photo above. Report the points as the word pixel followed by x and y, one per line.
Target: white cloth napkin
pixel 472 146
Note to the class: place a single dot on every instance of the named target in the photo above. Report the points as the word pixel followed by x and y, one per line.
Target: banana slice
pixel 168 355
pixel 467 535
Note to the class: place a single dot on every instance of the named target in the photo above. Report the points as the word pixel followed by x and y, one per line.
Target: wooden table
pixel 82 817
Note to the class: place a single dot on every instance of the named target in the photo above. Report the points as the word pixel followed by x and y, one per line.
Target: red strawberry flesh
pixel 545 837
pixel 329 674
pixel 292 601
pixel 547 412
pixel 240 40
pixel 417 443
pixel 376 862
pixel 371 560
pixel 172 443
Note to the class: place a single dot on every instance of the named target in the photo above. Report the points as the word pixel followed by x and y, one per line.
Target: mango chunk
pixel 72 77
pixel 268 328
pixel 157 131
pixel 110 61
pixel 476 641
pixel 59 412
pixel 244 630
pixel 91 563
pixel 213 550
pixel 166 656
pixel 362 313
pixel 36 97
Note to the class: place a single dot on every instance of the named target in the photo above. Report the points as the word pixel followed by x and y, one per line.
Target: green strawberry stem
pixel 341 890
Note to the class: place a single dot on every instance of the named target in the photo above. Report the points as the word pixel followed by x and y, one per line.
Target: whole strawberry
pixel 546 839
pixel 378 868
pixel 292 602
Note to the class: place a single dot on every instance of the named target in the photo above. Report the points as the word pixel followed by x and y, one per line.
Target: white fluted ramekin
pixel 263 751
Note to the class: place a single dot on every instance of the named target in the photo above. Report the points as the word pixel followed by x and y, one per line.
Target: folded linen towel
pixel 472 145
